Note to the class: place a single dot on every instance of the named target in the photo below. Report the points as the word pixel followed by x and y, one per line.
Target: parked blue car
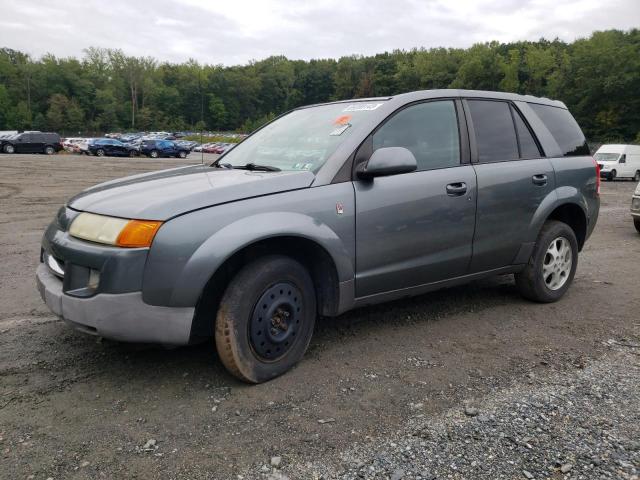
pixel 162 148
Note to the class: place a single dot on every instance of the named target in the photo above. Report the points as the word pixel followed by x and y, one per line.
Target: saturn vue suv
pixel 327 208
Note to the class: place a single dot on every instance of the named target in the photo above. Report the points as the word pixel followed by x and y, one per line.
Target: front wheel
pixel 100 152
pixel 266 317
pixel 612 175
pixel 9 149
pixel 636 177
pixel 636 223
pixel 182 154
pixel 552 265
pixel 153 154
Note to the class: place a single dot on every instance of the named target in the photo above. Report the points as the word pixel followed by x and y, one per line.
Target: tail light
pixel 597 177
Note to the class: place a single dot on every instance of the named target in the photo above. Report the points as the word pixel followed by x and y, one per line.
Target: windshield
pixel 302 139
pixel 607 157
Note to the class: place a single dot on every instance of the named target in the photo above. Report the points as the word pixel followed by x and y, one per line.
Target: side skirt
pixel 430 287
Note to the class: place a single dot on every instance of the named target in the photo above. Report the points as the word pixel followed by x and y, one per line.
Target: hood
pixel 165 194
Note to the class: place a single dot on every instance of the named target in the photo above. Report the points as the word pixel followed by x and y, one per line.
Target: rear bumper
pixel 123 317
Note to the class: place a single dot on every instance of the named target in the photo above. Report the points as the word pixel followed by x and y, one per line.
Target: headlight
pixel 114 231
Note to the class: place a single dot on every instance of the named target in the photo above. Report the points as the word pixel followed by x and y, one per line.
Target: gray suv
pixel 327 208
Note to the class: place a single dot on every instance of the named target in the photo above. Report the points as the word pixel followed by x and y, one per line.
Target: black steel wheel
pixel 265 319
pixel 274 321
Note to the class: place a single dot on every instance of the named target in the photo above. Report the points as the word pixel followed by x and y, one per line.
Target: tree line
pixel 597 77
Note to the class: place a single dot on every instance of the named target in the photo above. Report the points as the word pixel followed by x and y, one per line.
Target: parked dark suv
pixel 32 142
pixel 163 148
pixel 326 209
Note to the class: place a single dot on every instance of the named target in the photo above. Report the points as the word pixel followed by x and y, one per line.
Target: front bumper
pixel 124 317
pixel 635 206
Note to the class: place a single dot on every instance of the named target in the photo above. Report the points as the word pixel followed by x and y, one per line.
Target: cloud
pixel 222 32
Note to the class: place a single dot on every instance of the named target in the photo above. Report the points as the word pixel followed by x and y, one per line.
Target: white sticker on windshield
pixel 340 130
pixel 361 107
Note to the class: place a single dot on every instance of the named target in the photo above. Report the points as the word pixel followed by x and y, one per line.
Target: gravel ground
pixel 577 426
pixel 72 407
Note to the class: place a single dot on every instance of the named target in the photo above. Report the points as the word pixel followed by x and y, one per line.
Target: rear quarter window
pixel 563 128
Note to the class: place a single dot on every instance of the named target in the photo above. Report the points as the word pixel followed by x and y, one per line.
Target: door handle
pixel 456 189
pixel 540 179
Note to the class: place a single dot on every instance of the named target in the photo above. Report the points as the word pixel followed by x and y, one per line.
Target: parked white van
pixel 619 161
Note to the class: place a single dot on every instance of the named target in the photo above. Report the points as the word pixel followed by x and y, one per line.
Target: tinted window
pixel 528 146
pixel 495 133
pixel 563 128
pixel 429 130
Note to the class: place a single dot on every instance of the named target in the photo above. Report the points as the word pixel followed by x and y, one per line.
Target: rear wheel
pixel 266 317
pixel 49 150
pixel 153 154
pixel 9 149
pixel 133 153
pixel 100 152
pixel 552 265
pixel 182 154
pixel 636 223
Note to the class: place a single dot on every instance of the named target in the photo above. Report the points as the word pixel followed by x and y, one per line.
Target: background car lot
pixel 71 407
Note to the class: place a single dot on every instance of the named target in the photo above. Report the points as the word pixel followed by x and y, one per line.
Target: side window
pixel 429 130
pixel 495 134
pixel 528 146
pixel 563 128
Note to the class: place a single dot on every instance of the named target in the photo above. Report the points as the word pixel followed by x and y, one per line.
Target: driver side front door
pixel 417 228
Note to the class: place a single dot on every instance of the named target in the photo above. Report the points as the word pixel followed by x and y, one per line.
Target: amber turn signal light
pixel 138 233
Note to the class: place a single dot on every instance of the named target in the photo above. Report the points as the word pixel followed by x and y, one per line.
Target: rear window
pixel 563 128
pixel 495 134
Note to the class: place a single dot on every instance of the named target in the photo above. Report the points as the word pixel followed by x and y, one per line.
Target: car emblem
pixel 339 208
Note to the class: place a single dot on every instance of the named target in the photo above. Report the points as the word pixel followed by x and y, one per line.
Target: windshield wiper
pixel 256 167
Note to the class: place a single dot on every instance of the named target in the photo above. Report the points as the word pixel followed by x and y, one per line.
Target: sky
pixel 235 32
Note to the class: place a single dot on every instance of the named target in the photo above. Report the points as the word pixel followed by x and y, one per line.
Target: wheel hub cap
pixel 275 321
pixel 558 260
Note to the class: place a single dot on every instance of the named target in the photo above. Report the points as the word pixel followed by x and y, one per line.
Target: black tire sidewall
pixel 48 150
pixel 7 149
pixel 636 223
pixel 551 231
pixel 236 309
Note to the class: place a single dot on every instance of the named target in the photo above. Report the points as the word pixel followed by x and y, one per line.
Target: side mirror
pixel 623 158
pixel 387 161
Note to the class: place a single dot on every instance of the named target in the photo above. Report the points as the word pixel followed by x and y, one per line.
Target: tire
pixel 100 153
pixel 133 153
pixel 9 149
pixel 612 175
pixel 153 154
pixel 636 223
pixel 281 287
pixel 636 177
pixel 532 282
pixel 182 154
pixel 49 150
